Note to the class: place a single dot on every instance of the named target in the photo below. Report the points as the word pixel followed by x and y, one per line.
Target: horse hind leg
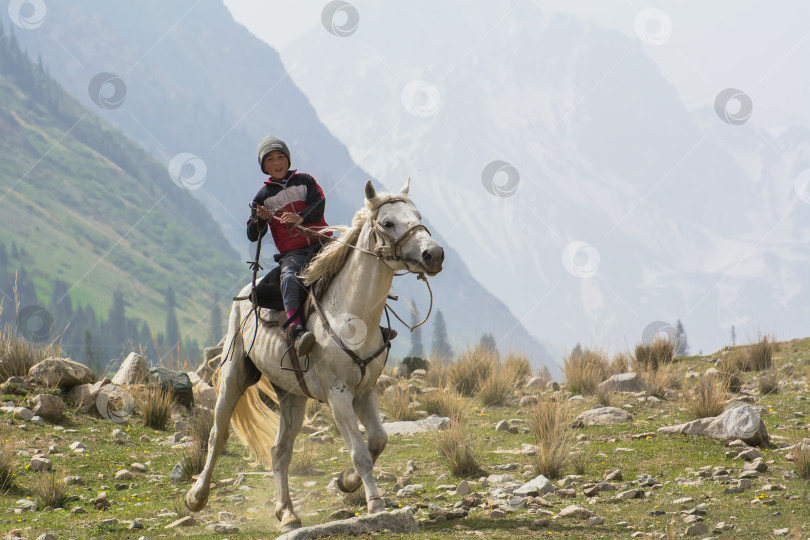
pixel 235 376
pixel 291 417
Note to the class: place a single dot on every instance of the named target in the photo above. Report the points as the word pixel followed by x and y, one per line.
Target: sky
pixel 764 50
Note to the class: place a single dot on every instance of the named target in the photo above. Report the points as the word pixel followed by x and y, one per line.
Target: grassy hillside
pixel 92 209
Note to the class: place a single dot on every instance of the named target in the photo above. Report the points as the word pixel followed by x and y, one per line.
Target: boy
pixel 288 198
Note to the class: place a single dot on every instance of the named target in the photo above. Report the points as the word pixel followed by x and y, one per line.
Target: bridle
pixel 392 249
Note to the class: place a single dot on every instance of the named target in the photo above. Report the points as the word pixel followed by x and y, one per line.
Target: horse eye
pixel 388 224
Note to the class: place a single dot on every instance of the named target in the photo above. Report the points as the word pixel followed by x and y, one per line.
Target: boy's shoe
pixel 302 338
pixel 388 334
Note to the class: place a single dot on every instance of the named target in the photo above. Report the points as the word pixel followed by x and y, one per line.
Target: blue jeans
pixel 292 290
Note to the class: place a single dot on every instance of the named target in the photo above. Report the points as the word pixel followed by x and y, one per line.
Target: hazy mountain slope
pixel 197 82
pixel 691 217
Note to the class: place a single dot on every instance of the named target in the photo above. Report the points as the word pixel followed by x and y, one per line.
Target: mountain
pixel 572 181
pixel 95 224
pixel 183 78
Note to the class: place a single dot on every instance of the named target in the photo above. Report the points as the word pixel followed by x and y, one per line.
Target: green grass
pixel 672 459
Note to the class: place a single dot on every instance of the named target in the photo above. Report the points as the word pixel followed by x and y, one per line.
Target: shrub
pixel 498 387
pixel 471 366
pixel 619 364
pixel 550 423
pixel 801 458
pixel 458 450
pixel 585 370
pixel 437 375
pixel 444 403
pixel 7 465
pixel 396 401
pixel 580 463
pixel 156 407
pixel 655 354
pixel 200 423
pixel 768 383
pixel 760 354
pixel 304 459
pixel 518 364
pixel 658 381
pixel 731 367
pixel 51 490
pixel 18 355
pixel 604 397
pixel 706 399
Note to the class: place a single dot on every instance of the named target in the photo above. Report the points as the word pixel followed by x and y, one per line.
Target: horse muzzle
pixel 432 259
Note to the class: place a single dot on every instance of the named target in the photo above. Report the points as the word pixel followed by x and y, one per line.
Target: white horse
pixel 387 236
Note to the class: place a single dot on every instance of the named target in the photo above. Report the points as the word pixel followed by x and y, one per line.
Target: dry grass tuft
pixel 768 383
pixel 584 370
pixel 437 375
pixel 471 366
pixel 550 421
pixel 304 459
pixel 458 450
pixel 51 490
pixel 731 367
pixel 518 364
pixel 657 382
pixel 499 386
pixel 156 406
pixel 396 401
pixel 620 363
pixel 444 403
pixel 604 397
pixel 7 465
pixel 18 355
pixel 706 399
pixel 652 356
pixel 760 354
pixel 200 424
pixel 800 455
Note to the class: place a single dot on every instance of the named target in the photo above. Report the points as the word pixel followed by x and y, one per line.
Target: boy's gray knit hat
pixel 270 143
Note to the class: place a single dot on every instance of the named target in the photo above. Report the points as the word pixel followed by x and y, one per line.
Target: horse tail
pixel 252 420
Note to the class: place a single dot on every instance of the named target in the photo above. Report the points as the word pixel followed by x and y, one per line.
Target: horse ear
pixel 406 187
pixel 370 191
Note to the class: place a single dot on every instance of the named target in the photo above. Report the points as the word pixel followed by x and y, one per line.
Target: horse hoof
pixel 376 506
pixel 195 504
pixel 291 525
pixel 345 485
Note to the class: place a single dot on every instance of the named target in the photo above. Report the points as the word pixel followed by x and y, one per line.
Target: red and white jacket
pixel 298 193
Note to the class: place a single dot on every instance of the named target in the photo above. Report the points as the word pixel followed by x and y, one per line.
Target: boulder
pixel 741 422
pixel 434 423
pixel 48 406
pixel 604 416
pixel 383 382
pixel 205 395
pixel 212 356
pixel 177 381
pixel 623 382
pixel 398 521
pixel 536 383
pixel 537 486
pixel 61 372
pixel 132 371
pixel 410 364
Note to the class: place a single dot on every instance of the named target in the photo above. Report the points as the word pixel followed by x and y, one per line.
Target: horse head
pixel 397 235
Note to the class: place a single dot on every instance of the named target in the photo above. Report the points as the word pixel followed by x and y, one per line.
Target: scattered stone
pixel 463 488
pixel 74 481
pixel 205 395
pixel 497 514
pixel 596 520
pixel 575 512
pixel 138 467
pixel 629 494
pixel 40 463
pixel 434 423
pixel 536 383
pixel 683 500
pixel 177 381
pixel 741 422
pixel 411 490
pixel 749 455
pixel 781 532
pixel 397 521
pixel 47 536
pixel 645 480
pixel 537 486
pixel 48 406
pixel 119 434
pixel 78 447
pixel 503 425
pixel 177 475
pixel 696 529
pixel 78 510
pixel 23 414
pixel 342 513
pixel 61 372
pixel 624 382
pixel 567 493
pixel 37 420
pixel 124 474
pixel 136 524
pixel 133 370
pixel 604 416
pixel 614 476
pixel 187 521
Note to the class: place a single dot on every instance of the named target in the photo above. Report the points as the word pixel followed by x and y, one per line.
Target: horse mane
pixel 330 259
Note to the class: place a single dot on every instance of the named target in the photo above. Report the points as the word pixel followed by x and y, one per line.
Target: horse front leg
pixel 341 402
pixel 292 409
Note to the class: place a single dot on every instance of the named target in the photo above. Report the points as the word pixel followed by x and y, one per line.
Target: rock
pixel 61 372
pixel 434 423
pixel 418 374
pixel 410 364
pixel 741 422
pixel 205 395
pixel 187 521
pixel 604 416
pixel 85 395
pixel 124 474
pixel 132 371
pixel 177 474
pixel 696 529
pixel 629 494
pixel 212 357
pixel 78 510
pixel 74 480
pixel 40 463
pixel 527 401
pixel 138 467
pixel 177 381
pixel 37 420
pixel 749 455
pixel 536 383
pixel 194 378
pixel 575 511
pixel 645 480
pixel 614 476
pixel 383 382
pixel 497 514
pixel 48 406
pixel 539 485
pixel 23 414
pixel 554 386
pixel 413 489
pixel 623 382
pixel 463 488
pixel 77 447
pixel 27 505
pixel 503 425
pixel 397 521
pixel 596 520
pixel 135 525
pixel 118 433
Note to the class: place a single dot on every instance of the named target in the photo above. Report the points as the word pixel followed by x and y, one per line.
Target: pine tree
pixel 733 336
pixel 172 331
pixel 116 325
pixel 441 349
pixel 216 324
pixel 417 349
pixel 488 343
pixel 681 345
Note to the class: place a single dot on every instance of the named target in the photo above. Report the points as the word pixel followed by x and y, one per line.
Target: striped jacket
pixel 298 193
